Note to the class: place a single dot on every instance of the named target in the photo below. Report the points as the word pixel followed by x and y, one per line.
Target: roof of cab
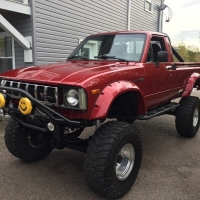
pixel 131 31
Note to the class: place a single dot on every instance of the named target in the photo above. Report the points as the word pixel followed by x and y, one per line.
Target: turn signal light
pixel 96 91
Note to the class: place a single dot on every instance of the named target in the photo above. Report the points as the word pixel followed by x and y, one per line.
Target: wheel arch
pixel 111 93
pixel 193 81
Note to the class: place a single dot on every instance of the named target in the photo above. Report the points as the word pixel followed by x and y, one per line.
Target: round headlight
pixel 3 83
pixel 72 97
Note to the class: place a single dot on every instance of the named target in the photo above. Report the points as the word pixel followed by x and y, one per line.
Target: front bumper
pixel 48 115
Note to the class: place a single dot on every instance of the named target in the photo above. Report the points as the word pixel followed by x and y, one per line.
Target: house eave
pixel 15 7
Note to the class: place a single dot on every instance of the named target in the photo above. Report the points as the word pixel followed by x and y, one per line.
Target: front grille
pixel 23 87
pixel 42 93
pixel 14 85
pixel 31 90
pixel 51 93
pixel 7 84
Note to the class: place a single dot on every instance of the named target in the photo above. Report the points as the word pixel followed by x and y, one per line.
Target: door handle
pixel 168 67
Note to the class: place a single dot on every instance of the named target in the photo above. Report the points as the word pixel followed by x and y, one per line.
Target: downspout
pixel 33 26
pixel 160 25
pixel 129 15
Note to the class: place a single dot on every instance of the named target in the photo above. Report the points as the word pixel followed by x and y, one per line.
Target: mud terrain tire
pixel 24 144
pixel 113 159
pixel 187 116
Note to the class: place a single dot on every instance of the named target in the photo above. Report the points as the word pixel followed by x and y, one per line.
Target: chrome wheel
pixel 195 117
pixel 125 161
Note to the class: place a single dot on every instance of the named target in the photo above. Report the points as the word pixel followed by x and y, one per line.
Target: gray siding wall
pixel 143 20
pixel 59 24
pixel 24 26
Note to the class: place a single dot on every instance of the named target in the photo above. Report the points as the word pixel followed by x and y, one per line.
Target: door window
pixel 157 44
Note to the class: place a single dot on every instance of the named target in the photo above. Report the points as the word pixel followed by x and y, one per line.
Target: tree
pixel 188 53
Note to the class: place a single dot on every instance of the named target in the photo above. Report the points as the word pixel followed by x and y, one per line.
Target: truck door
pixel 158 79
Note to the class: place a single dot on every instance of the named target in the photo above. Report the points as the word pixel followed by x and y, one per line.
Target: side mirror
pixel 162 56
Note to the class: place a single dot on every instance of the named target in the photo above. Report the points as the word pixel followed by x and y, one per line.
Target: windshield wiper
pixel 110 57
pixel 78 57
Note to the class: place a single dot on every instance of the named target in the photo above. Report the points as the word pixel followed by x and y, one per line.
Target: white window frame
pixel 80 40
pixel 151 2
pixel 4 34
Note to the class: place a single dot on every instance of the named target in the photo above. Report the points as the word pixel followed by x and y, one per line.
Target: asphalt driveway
pixel 170 169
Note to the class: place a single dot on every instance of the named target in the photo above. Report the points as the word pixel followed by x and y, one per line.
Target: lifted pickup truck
pixel 123 76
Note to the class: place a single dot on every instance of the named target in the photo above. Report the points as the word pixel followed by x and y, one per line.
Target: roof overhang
pixel 6 26
pixel 15 7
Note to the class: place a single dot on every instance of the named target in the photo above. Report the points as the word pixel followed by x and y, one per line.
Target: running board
pixel 158 111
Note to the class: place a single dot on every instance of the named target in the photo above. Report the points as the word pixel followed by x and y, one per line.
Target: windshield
pixel 128 47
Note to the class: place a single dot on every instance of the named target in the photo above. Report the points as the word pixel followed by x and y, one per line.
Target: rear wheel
pixel 113 159
pixel 25 144
pixel 187 116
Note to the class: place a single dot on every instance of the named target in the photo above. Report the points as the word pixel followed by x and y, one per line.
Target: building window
pixel 6 53
pixel 149 5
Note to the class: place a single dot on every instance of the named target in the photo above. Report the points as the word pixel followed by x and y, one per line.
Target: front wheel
pixel 188 116
pixel 25 144
pixel 113 159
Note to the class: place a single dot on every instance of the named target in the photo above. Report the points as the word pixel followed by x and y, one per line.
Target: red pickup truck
pixel 123 76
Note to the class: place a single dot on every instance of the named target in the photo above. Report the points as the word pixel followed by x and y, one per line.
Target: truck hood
pixel 69 72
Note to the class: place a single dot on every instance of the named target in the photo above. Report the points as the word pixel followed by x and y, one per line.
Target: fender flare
pixel 110 93
pixel 190 84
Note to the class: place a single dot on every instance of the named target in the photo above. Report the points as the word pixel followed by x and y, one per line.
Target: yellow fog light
pixel 25 106
pixel 2 101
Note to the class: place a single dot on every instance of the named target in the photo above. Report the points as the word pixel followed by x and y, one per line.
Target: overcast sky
pixel 185 22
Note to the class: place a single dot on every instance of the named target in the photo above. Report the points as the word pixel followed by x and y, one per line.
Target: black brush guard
pixel 58 140
pixel 50 115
